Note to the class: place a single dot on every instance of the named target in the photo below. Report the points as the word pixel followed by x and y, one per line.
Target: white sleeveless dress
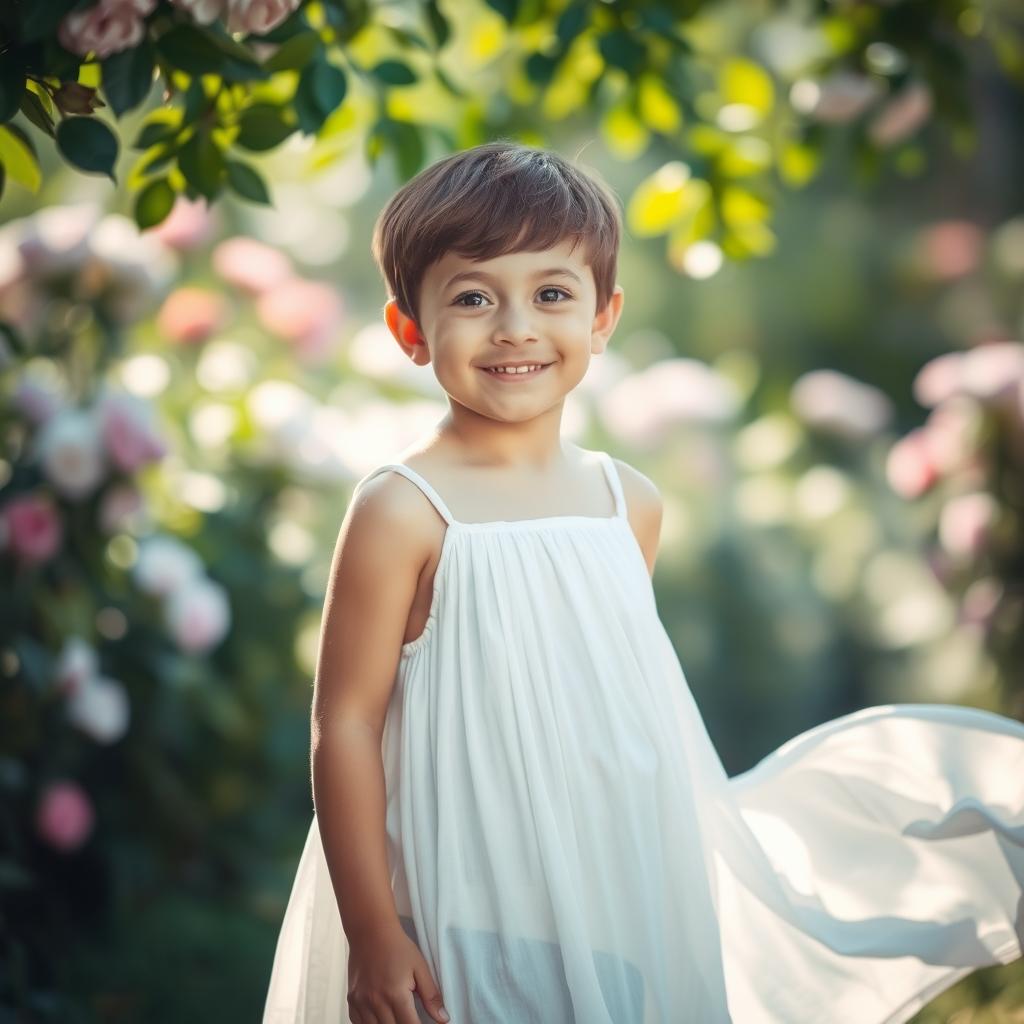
pixel 566 848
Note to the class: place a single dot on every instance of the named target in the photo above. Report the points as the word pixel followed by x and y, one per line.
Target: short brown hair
pixel 493 199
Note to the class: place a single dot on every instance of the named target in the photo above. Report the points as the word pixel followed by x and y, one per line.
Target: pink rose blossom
pixel 64 818
pixel 106 28
pixel 33 526
pixel 304 313
pixel 951 248
pixel 938 379
pixel 165 565
pixel 965 522
pixel 188 226
pixel 250 265
pixel 190 315
pixel 908 467
pixel 131 437
pixel 258 16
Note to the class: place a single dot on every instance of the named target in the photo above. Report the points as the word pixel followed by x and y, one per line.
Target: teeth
pixel 514 369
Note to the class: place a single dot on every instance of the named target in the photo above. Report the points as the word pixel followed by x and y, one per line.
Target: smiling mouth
pixel 515 374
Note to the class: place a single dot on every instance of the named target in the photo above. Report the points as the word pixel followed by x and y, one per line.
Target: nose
pixel 514 324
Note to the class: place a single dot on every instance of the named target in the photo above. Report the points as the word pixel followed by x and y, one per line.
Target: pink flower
pixel 203 12
pixel 909 467
pixel 992 370
pixel 837 403
pixel 198 615
pixel 938 379
pixel 952 434
pixel 64 817
pixel 902 115
pixel 965 522
pixel 304 313
pixel 129 433
pixel 250 265
pixel 188 225
pixel 106 28
pixel 951 249
pixel 258 16
pixel 190 315
pixel 34 530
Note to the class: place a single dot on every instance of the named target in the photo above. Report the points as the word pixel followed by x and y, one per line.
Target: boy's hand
pixel 384 972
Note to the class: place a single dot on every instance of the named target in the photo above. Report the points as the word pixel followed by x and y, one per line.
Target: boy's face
pixel 523 307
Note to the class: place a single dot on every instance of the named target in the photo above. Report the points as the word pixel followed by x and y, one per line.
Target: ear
pixel 406 332
pixel 605 320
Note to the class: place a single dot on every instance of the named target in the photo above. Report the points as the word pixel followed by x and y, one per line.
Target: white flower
pixel 77 665
pixel 100 709
pixel 71 453
pixel 835 402
pixel 198 615
pixel 165 565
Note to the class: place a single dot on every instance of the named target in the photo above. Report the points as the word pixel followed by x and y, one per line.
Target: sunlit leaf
pixel 798 163
pixel 743 81
pixel 741 208
pixel 18 159
pixel 153 203
pixel 624 135
pixel 657 107
pixel 745 156
pixel 665 199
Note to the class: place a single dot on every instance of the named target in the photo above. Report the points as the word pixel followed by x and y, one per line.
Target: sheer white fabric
pixel 566 848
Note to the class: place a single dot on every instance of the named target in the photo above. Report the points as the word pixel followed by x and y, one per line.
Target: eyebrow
pixel 483 276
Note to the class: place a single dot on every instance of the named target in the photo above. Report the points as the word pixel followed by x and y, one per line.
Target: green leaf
pixel 39 20
pixel 195 101
pixel 202 163
pixel 447 82
pixel 408 38
pixel 263 126
pixel 407 144
pixel 622 50
pixel 128 77
pixel 324 85
pixel 156 131
pixel 295 53
pixel 438 23
pixel 228 45
pixel 12 85
pixel 19 159
pixel 194 52
pixel 508 9
pixel 572 21
pixel 32 107
pixel 247 182
pixel 153 203
pixel 540 68
pixel 394 72
pixel 88 144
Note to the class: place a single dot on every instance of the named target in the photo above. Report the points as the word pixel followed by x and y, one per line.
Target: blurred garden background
pixel 819 362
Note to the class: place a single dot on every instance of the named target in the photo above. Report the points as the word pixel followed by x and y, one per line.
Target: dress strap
pixel 615 483
pixel 411 474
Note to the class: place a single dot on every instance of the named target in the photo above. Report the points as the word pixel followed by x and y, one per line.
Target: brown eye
pixel 466 295
pixel 561 291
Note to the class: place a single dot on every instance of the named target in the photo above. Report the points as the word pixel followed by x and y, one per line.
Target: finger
pixel 430 995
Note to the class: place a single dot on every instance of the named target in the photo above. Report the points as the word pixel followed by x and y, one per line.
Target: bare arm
pixel 644 505
pixel 383 545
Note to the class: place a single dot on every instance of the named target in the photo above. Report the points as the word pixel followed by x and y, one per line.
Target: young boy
pixel 501 262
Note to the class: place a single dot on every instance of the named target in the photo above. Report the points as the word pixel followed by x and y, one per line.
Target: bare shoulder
pixel 644 506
